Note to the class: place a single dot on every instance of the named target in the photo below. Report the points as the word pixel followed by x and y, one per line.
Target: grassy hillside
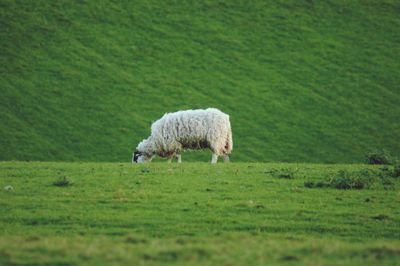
pixel 197 214
pixel 303 81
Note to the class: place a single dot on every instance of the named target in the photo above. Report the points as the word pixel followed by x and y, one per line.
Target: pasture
pixel 303 81
pixel 198 214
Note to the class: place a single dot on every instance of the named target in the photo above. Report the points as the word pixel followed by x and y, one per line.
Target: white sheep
pixel 190 129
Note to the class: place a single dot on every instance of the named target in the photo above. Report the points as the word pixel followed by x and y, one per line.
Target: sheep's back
pixel 191 128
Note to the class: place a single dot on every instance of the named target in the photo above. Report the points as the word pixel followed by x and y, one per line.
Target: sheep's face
pixel 135 157
pixel 139 157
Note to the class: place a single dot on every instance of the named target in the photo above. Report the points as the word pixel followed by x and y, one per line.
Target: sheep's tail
pixel 229 142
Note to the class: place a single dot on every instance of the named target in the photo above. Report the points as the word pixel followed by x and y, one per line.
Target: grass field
pixel 303 81
pixel 311 87
pixel 198 214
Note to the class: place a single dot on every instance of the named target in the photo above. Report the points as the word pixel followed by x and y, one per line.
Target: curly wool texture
pixel 190 129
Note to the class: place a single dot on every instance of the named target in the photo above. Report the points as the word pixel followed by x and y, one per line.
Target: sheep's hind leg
pixel 169 158
pixel 214 158
pixel 179 158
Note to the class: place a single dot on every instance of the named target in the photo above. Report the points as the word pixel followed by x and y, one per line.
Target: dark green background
pixel 303 81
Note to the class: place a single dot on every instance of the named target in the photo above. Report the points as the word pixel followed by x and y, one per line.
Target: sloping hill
pixel 309 81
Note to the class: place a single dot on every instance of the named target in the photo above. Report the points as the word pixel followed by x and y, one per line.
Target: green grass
pixel 197 214
pixel 303 81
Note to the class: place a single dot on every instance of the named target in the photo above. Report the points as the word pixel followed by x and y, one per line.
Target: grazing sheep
pixel 190 129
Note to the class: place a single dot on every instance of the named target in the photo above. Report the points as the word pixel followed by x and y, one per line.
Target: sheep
pixel 189 129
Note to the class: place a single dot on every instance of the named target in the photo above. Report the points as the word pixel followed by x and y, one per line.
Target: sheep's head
pixel 139 157
pixel 135 156
pixel 144 151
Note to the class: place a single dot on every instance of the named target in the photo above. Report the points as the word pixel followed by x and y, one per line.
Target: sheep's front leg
pixel 214 158
pixel 226 158
pixel 179 158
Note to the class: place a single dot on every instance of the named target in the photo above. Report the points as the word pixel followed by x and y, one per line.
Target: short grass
pixel 303 81
pixel 197 214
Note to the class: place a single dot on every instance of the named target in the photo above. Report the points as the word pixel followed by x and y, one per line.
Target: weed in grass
pixel 387 183
pixel 396 171
pixel 62 181
pixel 284 173
pixel 387 176
pixel 382 157
pixel 347 180
pixel 309 184
pixel 385 171
pixel 363 179
pixel 380 217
